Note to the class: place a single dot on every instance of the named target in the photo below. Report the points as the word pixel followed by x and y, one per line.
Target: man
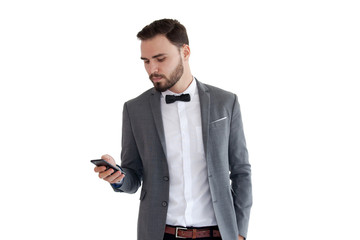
pixel 183 141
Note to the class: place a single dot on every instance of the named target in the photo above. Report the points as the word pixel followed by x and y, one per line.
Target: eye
pixel 146 61
pixel 161 59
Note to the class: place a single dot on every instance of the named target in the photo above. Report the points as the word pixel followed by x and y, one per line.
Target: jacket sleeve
pixel 240 171
pixel 130 157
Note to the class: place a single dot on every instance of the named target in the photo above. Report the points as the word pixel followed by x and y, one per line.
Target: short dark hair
pixel 172 29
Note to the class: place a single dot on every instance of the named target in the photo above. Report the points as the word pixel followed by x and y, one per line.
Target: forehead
pixel 157 45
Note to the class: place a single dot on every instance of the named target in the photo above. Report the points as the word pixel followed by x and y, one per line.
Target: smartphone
pixel 102 162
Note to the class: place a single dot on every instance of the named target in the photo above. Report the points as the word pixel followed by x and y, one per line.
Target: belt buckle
pixel 176 232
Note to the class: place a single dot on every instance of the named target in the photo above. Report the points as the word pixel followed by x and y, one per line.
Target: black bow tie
pixel 173 98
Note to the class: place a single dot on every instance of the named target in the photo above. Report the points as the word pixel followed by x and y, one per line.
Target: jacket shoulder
pixel 218 93
pixel 141 99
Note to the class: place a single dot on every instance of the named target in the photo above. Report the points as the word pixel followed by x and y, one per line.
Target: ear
pixel 186 52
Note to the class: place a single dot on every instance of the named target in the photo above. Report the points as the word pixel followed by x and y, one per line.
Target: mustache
pixel 156 75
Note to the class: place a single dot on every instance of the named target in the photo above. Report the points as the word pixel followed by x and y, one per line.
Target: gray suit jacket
pixel 143 159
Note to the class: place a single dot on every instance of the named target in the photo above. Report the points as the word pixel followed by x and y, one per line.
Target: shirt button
pixel 166 178
pixel 164 203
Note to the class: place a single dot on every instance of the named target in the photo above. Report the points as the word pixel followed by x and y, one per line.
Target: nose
pixel 153 67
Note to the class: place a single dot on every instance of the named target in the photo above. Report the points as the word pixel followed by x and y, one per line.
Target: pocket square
pixel 219 120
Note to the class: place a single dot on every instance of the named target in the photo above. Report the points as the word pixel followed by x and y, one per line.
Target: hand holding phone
pixel 107 169
pixel 102 162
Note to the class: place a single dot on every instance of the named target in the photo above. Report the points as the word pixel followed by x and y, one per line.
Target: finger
pixel 106 173
pixel 112 177
pixel 118 179
pixel 99 169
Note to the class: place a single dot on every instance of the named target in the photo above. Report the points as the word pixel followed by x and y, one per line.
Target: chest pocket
pixel 218 122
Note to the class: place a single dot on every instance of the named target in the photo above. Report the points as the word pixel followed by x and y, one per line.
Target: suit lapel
pixel 204 96
pixel 156 112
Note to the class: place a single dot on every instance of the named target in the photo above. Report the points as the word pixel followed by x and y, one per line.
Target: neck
pixel 183 83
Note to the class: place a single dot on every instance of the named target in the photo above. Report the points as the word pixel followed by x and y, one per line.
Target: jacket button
pixel 164 204
pixel 166 178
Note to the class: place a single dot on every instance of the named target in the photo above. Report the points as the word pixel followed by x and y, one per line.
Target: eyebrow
pixel 156 56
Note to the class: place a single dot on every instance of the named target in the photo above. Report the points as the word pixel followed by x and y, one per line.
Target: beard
pixel 168 82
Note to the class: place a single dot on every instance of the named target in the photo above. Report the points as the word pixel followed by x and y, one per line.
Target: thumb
pixel 106 157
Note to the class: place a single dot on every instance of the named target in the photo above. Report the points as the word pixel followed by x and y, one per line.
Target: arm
pixel 130 157
pixel 131 162
pixel 240 171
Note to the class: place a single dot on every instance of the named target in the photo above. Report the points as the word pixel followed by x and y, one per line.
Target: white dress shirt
pixel 190 202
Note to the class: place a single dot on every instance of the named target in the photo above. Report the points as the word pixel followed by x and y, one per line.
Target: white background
pixel 67 67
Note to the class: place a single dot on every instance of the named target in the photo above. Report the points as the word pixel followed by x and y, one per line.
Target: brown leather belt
pixel 193 233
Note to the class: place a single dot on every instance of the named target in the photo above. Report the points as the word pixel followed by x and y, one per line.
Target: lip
pixel 156 79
